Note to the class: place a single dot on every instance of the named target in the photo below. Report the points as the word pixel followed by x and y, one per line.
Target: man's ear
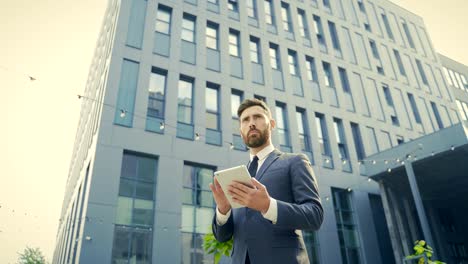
pixel 272 123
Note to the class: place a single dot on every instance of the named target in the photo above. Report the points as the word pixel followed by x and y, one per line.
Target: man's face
pixel 255 127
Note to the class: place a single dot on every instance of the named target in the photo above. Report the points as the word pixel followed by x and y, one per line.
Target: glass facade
pixel 348 232
pixel 133 234
pixel 197 212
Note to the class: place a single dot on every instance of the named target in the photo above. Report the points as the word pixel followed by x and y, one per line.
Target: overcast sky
pixel 53 41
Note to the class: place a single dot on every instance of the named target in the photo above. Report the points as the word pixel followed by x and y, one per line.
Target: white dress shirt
pixel 272 212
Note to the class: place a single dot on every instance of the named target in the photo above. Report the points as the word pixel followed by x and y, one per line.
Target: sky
pixel 53 41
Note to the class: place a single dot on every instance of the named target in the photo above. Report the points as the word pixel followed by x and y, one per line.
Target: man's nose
pixel 252 125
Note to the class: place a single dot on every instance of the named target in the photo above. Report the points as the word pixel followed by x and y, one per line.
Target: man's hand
pixel 220 198
pixel 255 197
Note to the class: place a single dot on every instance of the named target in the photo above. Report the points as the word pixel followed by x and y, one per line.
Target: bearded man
pixel 283 201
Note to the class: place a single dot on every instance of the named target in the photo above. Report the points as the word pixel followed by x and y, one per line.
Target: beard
pixel 256 140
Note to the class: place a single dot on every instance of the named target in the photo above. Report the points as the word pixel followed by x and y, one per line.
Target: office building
pixel 345 79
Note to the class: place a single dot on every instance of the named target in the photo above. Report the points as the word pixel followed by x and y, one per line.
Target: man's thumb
pixel 257 184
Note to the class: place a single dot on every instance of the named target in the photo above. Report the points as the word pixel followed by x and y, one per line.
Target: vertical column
pixel 390 223
pixel 418 202
pixel 411 220
pixel 400 223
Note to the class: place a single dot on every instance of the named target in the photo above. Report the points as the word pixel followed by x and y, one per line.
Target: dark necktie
pixel 253 166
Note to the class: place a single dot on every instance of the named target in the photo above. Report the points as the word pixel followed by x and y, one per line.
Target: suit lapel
pixel 269 160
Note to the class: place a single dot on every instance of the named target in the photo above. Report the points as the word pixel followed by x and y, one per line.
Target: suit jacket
pixel 290 180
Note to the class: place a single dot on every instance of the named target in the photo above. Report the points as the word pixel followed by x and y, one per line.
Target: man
pixel 283 201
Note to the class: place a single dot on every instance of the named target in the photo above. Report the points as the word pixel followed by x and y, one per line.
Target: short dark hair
pixel 253 102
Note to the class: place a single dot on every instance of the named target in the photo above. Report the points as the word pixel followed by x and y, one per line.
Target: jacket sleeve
pixel 223 233
pixel 306 212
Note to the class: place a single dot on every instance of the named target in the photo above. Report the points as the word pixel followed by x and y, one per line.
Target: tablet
pixel 225 177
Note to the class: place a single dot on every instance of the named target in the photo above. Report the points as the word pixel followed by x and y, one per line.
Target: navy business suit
pixel 290 180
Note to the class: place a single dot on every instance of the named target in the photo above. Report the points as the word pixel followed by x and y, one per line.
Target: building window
pixel 188 28
pixel 346 226
pixel 334 36
pixel 311 69
pixel 259 97
pixel 388 96
pixel 184 100
pixel 414 107
pixel 387 140
pixel 375 52
pixel 400 140
pixel 455 83
pixel 400 62
pixel 464 115
pixel 358 141
pixel 447 76
pixel 135 209
pixel 344 80
pixel 292 61
pixel 340 139
pixel 286 17
pixel 459 79
pixel 274 57
pixel 234 43
pixel 322 133
pixel 462 81
pixel 236 98
pixel 303 129
pixel 197 212
pixel 312 246
pixel 212 35
pixel 156 93
pixel 163 20
pixel 389 100
pixel 421 72
pixel 387 27
pixel 437 115
pixel 302 22
pixel 136 23
pixel 127 92
pixel 326 3
pixel 233 5
pixel 328 77
pixel 269 13
pixel 367 27
pixel 372 140
pixel 212 106
pixel 255 50
pixel 465 83
pixel 408 35
pixel 282 127
pixel 252 8
pixel 319 32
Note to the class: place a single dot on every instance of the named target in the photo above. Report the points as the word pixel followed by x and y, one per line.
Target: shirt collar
pixel 262 154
